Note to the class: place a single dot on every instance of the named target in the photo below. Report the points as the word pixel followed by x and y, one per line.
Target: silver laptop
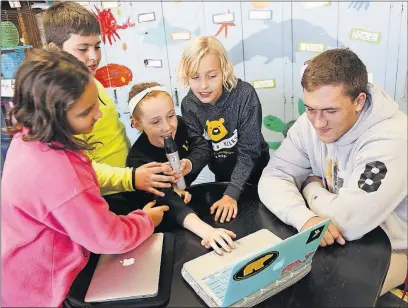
pixel 131 275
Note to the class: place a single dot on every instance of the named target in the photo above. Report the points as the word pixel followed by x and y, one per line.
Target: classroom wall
pixel 268 42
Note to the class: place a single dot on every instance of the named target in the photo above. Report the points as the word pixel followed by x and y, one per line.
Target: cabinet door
pixel 314 31
pixel 394 44
pixel 364 28
pixel 402 75
pixel 223 20
pixel 263 26
pixel 134 50
pixel 183 21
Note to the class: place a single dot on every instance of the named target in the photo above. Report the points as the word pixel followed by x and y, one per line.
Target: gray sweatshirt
pixel 227 136
pixel 365 174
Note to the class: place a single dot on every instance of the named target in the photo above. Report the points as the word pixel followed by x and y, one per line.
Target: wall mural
pixel 359 5
pixel 156 36
pixel 109 25
pixel 258 48
pixel 114 75
pixel 224 27
pixel 264 43
pixel 275 124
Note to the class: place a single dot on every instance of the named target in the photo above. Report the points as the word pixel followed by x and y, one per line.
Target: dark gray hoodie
pixel 227 136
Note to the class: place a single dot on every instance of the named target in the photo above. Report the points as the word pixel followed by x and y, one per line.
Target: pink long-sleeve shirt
pixel 52 215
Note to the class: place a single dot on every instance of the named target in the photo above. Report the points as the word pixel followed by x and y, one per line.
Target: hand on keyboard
pixel 219 237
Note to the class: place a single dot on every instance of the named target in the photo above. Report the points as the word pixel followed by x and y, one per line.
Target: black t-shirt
pixel 143 152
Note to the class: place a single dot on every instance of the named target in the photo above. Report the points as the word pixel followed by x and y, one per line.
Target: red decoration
pixel 114 75
pixel 291 267
pixel 109 24
pixel 224 26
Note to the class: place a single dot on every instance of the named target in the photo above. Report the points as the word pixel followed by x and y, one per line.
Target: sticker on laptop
pixel 256 265
pixel 315 234
pixel 295 265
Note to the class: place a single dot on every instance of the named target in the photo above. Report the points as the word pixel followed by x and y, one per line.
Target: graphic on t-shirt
pixel 338 181
pixel 216 129
pixel 185 145
pixel 333 180
pixel 329 175
pixel 371 179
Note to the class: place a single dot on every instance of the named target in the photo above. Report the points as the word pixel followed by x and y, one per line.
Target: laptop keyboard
pixel 218 282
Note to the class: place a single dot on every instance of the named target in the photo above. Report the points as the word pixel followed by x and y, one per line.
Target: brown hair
pixel 66 18
pixel 136 89
pixel 47 83
pixel 339 66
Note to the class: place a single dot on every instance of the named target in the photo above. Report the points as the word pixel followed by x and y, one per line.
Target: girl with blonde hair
pixel 224 117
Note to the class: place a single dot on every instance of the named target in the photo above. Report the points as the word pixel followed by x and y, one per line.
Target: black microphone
pixel 173 157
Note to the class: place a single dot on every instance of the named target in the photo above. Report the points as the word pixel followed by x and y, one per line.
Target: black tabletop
pixel 349 275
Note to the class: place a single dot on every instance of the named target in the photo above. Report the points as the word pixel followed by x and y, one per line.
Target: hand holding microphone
pixel 185 165
pixel 174 160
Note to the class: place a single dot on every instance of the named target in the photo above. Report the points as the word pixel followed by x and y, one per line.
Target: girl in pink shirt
pixel 52 214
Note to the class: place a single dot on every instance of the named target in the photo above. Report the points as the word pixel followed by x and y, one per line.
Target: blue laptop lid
pixel 261 269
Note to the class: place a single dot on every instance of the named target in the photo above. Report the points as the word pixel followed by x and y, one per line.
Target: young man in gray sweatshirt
pixel 345 158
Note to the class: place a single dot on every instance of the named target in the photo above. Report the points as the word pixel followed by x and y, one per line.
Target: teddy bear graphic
pixel 216 129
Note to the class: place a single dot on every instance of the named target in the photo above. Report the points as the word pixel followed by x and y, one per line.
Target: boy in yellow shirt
pixel 70 27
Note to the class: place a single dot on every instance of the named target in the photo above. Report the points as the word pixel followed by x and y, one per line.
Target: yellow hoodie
pixel 111 148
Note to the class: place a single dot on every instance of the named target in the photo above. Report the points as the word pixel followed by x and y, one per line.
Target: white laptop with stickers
pixel 261 265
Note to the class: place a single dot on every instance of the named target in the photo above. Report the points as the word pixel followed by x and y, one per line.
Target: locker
pixel 393 47
pixel 268 43
pixel 179 31
pixel 265 57
pixel 223 20
pixel 402 74
pixel 315 28
pixel 141 48
pixel 365 30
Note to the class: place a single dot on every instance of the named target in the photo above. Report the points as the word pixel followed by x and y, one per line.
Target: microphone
pixel 173 157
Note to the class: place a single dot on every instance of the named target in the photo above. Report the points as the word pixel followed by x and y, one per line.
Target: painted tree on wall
pixel 275 124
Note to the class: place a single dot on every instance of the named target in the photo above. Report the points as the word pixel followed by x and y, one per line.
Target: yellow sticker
pixel 264 84
pixel 312 47
pixel 365 36
pixel 255 266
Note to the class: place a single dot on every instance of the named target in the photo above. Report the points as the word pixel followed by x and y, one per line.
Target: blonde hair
pixel 200 47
